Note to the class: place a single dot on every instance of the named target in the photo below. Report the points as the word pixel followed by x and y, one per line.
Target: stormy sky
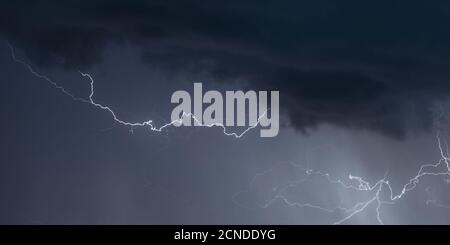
pixel 363 92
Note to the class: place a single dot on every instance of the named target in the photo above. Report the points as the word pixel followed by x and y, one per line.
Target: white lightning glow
pixel 441 168
pixel 375 190
pixel 149 124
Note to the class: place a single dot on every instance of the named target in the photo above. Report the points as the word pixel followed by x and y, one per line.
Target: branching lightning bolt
pixel 441 168
pixel 149 124
pixel 362 185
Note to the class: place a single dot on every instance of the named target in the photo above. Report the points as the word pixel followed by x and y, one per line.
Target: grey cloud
pixel 362 65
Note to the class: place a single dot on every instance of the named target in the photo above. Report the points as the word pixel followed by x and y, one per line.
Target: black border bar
pixel 286 233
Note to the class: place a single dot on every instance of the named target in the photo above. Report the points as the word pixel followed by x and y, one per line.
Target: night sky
pixel 363 87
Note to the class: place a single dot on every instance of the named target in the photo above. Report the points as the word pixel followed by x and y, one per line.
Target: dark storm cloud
pixel 371 65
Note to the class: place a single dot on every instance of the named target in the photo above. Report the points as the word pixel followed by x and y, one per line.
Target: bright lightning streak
pixel 361 186
pixel 412 183
pixel 148 123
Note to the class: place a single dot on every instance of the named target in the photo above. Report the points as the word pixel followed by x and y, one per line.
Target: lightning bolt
pixel 358 184
pixel 374 190
pixel 149 124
